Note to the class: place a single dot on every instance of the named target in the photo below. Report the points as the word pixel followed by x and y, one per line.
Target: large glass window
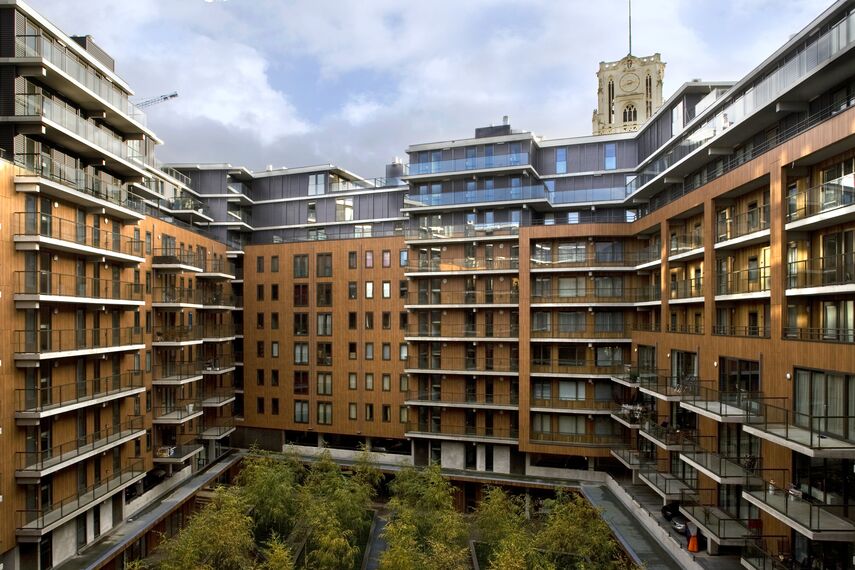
pixel 344 209
pixel 610 155
pixel 317 184
pixel 560 160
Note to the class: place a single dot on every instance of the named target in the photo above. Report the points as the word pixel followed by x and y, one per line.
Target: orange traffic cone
pixel 693 543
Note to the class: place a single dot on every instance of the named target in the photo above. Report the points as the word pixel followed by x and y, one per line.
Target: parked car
pixel 669 510
pixel 679 522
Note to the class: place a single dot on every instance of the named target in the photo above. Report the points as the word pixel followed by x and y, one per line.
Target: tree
pixel 269 483
pixel 509 536
pixel 219 537
pixel 276 555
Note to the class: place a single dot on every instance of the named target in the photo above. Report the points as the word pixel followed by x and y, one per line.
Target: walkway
pixel 376 543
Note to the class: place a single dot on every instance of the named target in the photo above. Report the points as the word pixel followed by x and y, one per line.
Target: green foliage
pixel 270 483
pixel 276 555
pixel 219 537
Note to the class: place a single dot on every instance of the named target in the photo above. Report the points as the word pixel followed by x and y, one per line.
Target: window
pixel 403 382
pixel 351 381
pixel 274 377
pixel 274 321
pixel 344 209
pixel 325 413
pixel 301 266
pixel 274 349
pixel 259 292
pixel 274 292
pixel 301 411
pixel 403 351
pixel 324 354
pixel 259 405
pixel 387 290
pixel 274 406
pixel 259 264
pixel 274 264
pixel 630 114
pixel 386 351
pixel 386 258
pixel 317 185
pixel 351 350
pixel 403 319
pixel 148 243
pixel 352 290
pixel 753 270
pixel 362 230
pixel 369 412
pixel 324 295
pixel 316 234
pixel 351 321
pixel 402 414
pixel 610 154
pixel 369 381
pixel 369 351
pixel 301 324
pixel 560 161
pixel 403 256
pixel 324 265
pixel 259 320
pixel 301 382
pixel 352 260
pixel 369 321
pixel 369 259
pixel 311 213
pixel 324 384
pixel 301 353
pixel 351 411
pixel 259 349
pixel 403 288
pixel 369 289
pixel 148 282
pixel 387 320
pixel 324 324
pixel 386 382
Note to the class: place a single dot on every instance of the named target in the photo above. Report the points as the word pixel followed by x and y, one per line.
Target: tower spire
pixel 630 27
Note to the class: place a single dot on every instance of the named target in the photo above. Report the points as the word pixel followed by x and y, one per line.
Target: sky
pixel 354 82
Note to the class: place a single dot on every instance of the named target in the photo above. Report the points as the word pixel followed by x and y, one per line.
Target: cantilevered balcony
pixel 686 246
pixel 45 176
pixel 37 464
pixel 666 484
pixel 452 332
pixel 176 298
pixel 742 284
pixel 218 332
pixel 767 553
pixel 459 298
pixel 176 454
pixel 809 516
pixel 630 376
pixel 174 259
pixel 32 405
pixel 598 297
pixel 176 373
pixel 593 261
pixel 576 368
pixel 699 506
pixel 34 287
pixel 215 300
pixel 463 266
pixel 62 124
pixel 46 344
pixel 633 459
pixel 36 231
pixel 466 400
pixel 218 365
pixel 426 364
pixel 217 398
pixel 218 269
pixel 669 388
pixel 217 428
pixel 814 435
pixel 33 523
pixel 665 436
pixel 457 432
pixel 556 404
pixel 611 441
pixel 831 274
pixel 530 195
pixel 186 208
pixel 178 412
pixel 723 468
pixel 825 205
pixel 744 229
pixel 468 232
pixel 491 164
pixel 177 336
pixel 726 406
pixel 630 415
pixel 687 291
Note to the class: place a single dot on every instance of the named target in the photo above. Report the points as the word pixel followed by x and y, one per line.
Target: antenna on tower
pixel 630 27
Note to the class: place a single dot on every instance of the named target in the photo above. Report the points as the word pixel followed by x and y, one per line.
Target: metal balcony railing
pixel 822 271
pixel 581 439
pixel 743 224
pixel 820 334
pixel 176 295
pixel 45 341
pixel 687 288
pixel 54 397
pixel 45 225
pixel 177 334
pixel 469 264
pixel 753 280
pixel 469 397
pixel 827 197
pixel 684 243
pixel 79 286
pixel 443 428
pixel 574 366
pixel 462 297
pixel 175 256
pixel 464 164
pixel 462 331
pixel 442 363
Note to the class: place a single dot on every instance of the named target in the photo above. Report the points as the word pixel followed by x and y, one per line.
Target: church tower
pixel 630 91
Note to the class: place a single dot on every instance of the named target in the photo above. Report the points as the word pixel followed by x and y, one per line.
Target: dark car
pixel 679 522
pixel 669 510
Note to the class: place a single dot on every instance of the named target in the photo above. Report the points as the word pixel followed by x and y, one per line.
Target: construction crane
pixel 156 100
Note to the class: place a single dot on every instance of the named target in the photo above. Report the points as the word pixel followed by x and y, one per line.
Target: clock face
pixel 629 82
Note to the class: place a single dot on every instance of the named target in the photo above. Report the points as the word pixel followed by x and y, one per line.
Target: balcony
pixel 466 400
pixel 743 230
pixel 176 454
pixel 461 199
pixel 687 291
pixel 218 398
pixel 814 435
pixel 605 297
pixel 461 298
pixel 38 522
pixel 686 246
pixel 218 332
pixel 668 485
pixel 172 259
pixel 216 300
pixel 38 464
pixel 43 175
pixel 753 283
pixel 723 469
pixel 592 260
pixel 176 373
pixel 186 208
pixel 631 376
pixel 633 459
pixel 555 403
pixel 836 335
pixel 36 231
pixel 809 516
pixel 698 505
pixel 499 162
pixel 62 124
pixel 177 336
pixel 767 553
pixel 573 368
pixel 32 405
pixel 664 436
pixel 557 333
pixel 219 365
pixel 829 274
pixel 34 287
pixel 469 232
pixel 749 331
pixel 176 298
pixel 443 430
pixel 726 406
pixel 218 428
pixel 630 415
pixel 464 266
pixel 827 204
pixel 424 364
pixel 218 268
pixel 669 388
pixel 179 412
pixel 452 332
pixel 61 69
pixel 45 344
pixel 580 439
